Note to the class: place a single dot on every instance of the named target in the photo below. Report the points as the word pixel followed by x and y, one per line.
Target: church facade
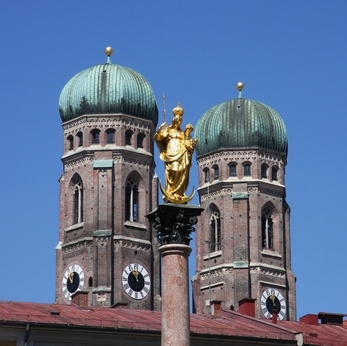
pixel 108 251
pixel 243 236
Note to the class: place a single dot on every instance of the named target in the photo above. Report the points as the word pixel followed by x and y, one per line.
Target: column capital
pixel 174 222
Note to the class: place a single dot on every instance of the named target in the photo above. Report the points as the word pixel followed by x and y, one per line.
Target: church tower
pixel 243 236
pixel 107 252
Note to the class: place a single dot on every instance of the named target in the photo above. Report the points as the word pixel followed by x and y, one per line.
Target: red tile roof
pixel 320 334
pixel 230 323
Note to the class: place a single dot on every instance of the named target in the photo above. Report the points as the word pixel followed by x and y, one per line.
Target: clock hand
pixel 272 297
pixel 136 274
pixel 71 277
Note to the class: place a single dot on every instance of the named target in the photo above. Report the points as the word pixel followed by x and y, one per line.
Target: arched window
pixel 206 175
pixel 90 281
pixel 79 139
pixel 110 136
pixel 128 135
pixel 215 232
pixel 131 200
pixel 247 169
pixel 70 142
pixel 274 173
pixel 264 171
pixel 216 172
pixel 95 136
pixel 78 201
pixel 140 138
pixel 267 229
pixel 232 170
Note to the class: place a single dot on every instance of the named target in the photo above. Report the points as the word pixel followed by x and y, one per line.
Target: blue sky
pixel 290 55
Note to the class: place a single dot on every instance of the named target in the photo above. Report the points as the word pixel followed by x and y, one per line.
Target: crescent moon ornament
pixel 175 199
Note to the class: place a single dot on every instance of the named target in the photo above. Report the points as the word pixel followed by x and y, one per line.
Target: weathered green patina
pixel 105 89
pixel 241 123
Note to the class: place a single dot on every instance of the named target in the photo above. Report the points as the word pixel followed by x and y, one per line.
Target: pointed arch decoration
pixel 215 229
pixel 132 199
pixel 267 231
pixel 77 191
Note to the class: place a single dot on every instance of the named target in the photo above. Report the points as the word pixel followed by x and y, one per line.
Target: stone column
pixel 174 224
pixel 175 326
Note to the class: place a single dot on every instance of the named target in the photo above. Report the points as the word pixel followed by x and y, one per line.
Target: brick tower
pixel 107 253
pixel 243 236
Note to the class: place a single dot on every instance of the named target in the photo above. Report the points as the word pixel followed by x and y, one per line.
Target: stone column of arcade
pixel 174 221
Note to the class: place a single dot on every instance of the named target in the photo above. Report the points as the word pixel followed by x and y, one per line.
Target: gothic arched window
pixel 274 173
pixel 80 139
pixel 247 169
pixel 110 136
pixel 128 135
pixel 206 175
pixel 264 171
pixel 140 138
pixel 95 136
pixel 215 231
pixel 131 200
pixel 232 170
pixel 216 172
pixel 78 202
pixel 70 142
pixel 267 229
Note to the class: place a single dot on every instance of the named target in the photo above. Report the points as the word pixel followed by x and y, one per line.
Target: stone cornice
pixel 225 187
pixel 77 244
pixel 122 155
pixel 242 154
pixel 253 266
pixel 106 121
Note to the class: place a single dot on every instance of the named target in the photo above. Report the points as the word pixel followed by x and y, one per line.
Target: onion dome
pixel 105 89
pixel 241 123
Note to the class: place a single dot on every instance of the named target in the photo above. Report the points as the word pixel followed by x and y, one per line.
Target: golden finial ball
pixel 240 86
pixel 178 110
pixel 108 51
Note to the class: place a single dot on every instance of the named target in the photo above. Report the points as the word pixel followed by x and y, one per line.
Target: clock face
pixel 271 301
pixel 136 281
pixel 73 280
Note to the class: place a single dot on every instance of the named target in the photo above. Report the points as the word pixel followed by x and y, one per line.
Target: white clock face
pixel 272 300
pixel 73 280
pixel 136 281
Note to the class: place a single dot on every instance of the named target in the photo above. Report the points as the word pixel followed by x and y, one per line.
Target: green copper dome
pixel 108 88
pixel 241 123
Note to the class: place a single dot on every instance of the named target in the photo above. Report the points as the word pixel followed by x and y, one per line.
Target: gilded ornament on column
pixel 176 150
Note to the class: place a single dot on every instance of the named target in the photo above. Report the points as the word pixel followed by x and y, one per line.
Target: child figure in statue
pixel 176 149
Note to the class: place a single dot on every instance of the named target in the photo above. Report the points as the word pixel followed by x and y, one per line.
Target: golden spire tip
pixel 240 86
pixel 108 51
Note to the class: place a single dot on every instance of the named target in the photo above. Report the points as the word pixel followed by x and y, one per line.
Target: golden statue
pixel 176 150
